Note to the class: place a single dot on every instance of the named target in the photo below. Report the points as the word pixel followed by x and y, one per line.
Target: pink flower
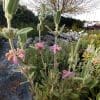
pixel 15 60
pixel 67 74
pixel 13 55
pixel 20 53
pixel 39 45
pixel 55 48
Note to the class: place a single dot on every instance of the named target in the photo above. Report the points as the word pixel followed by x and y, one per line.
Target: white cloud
pixel 90 16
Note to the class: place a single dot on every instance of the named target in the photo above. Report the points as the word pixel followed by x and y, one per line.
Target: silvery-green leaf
pixel 57 17
pixel 12 6
pixel 24 30
pixel 61 29
pixel 98 96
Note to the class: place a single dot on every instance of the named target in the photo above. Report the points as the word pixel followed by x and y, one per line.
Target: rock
pixel 28 42
pixel 67 37
pixel 48 39
pixel 10 88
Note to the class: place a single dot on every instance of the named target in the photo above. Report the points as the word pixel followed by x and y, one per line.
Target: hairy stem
pixel 55 59
pixel 39 35
pixel 8 23
pixel 11 44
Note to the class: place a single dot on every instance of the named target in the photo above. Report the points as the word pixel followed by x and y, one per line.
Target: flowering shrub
pixel 57 72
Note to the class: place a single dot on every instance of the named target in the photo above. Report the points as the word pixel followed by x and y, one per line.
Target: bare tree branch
pixel 66 6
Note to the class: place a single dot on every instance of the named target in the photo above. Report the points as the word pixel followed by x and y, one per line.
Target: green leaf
pixel 98 96
pixel 22 38
pixel 91 83
pixel 78 79
pixel 24 30
pixel 56 94
pixel 12 6
pixel 61 29
pixel 42 74
pixel 40 27
pixel 31 75
pixel 57 17
pixel 50 30
pixel 4 35
pixel 5 5
pixel 74 96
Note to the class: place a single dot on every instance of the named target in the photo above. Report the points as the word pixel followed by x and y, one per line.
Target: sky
pixel 92 15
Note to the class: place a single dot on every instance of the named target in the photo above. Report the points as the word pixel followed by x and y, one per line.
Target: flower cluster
pixel 55 48
pixel 67 74
pixel 39 46
pixel 14 55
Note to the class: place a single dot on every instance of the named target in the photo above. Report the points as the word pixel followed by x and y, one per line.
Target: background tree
pixel 66 6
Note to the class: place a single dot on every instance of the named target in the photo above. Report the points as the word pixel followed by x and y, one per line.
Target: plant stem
pixel 9 26
pixel 56 33
pixel 30 81
pixel 8 23
pixel 11 44
pixel 43 62
pixel 39 35
pixel 56 29
pixel 55 59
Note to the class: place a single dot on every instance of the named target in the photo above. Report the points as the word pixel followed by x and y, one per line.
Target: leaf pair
pixel 22 35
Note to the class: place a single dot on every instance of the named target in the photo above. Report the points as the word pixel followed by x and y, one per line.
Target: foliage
pixel 93 37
